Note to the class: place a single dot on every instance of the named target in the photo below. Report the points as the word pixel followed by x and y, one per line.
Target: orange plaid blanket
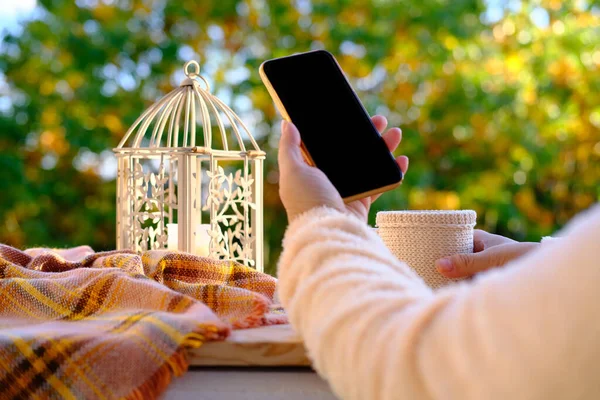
pixel 79 324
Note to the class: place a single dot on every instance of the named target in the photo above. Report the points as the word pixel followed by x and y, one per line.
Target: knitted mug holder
pixel 419 238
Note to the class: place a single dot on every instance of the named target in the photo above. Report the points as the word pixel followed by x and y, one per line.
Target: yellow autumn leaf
pixel 54 141
pixel 447 200
pixel 75 79
pixel 104 12
pixel 514 63
pixel 50 117
pixel 47 87
pixel 113 123
pixel 450 42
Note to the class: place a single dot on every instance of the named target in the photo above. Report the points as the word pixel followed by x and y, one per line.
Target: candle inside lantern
pixel 172 235
pixel 201 242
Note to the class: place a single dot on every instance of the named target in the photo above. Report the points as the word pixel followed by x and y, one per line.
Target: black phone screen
pixel 335 128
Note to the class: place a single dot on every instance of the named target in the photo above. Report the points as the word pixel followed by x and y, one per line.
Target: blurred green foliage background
pixel 499 101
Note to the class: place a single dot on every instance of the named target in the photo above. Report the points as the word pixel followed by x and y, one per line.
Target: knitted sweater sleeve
pixel 375 331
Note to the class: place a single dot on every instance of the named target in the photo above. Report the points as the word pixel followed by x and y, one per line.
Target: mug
pixel 419 238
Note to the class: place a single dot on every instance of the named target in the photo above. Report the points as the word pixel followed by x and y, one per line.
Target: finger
pixel 484 238
pixel 380 123
pixel 290 155
pixel 402 162
pixel 491 239
pixel 479 234
pixel 375 197
pixel 392 138
pixel 478 245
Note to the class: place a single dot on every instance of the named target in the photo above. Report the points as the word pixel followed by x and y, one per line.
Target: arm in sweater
pixel 375 331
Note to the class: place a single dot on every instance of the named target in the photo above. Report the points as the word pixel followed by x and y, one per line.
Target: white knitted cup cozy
pixel 419 238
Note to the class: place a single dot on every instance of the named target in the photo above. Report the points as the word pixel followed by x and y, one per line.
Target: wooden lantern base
pixel 276 345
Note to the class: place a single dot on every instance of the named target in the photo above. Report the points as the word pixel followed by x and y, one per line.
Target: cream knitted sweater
pixel 530 330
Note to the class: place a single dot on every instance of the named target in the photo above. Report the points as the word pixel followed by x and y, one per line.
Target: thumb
pixel 290 155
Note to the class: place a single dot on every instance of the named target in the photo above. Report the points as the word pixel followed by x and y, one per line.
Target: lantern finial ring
pixel 186 68
pixel 194 74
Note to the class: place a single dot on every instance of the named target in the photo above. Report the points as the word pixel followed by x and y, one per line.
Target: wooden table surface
pixel 276 345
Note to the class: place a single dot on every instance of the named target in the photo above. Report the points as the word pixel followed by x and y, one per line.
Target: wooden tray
pixel 276 345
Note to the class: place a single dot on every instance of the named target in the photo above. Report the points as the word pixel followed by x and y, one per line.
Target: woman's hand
pixel 489 251
pixel 303 187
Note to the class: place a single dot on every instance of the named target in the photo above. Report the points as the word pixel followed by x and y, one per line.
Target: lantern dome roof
pixel 171 124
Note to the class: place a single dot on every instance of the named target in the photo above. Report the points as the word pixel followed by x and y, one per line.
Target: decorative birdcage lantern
pixel 177 190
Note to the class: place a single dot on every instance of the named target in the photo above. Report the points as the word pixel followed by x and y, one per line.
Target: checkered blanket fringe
pixel 75 324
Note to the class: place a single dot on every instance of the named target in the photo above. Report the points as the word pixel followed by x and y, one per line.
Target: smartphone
pixel 338 137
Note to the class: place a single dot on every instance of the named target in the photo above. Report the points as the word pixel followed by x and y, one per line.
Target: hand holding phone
pixel 303 187
pixel 337 134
